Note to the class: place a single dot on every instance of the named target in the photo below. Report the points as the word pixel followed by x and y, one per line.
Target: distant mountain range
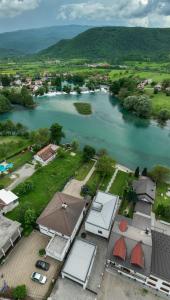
pixel 33 40
pixel 114 43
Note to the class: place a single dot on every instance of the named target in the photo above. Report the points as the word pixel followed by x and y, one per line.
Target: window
pixel 164 290
pixel 100 232
pixel 150 283
pixel 165 283
pixel 152 278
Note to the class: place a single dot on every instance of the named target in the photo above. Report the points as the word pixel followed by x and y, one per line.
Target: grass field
pixel 160 101
pixel 84 170
pixel 47 181
pixel 9 146
pixel 154 75
pixel 83 108
pixel 162 189
pixel 118 185
pixel 96 182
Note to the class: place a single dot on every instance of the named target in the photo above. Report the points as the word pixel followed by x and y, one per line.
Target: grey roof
pixel 145 188
pixel 62 213
pixel 7 229
pixel 143 207
pixel 160 266
pixel 130 244
pixel 80 259
pixel 102 210
pixel 141 221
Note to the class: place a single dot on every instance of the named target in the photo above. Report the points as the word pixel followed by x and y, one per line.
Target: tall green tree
pixel 56 133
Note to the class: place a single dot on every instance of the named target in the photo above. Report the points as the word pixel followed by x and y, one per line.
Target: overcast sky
pixel 21 14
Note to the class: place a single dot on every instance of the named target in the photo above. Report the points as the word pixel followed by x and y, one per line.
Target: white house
pixel 80 261
pixel 8 201
pixel 61 220
pixel 101 216
pixel 47 154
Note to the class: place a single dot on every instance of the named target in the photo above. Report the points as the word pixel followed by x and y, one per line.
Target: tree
pixel 5 104
pixel 67 89
pixel 75 145
pixel 105 166
pixel 137 172
pixel 29 218
pixel 56 133
pixel 163 115
pixel 88 153
pixel 5 80
pixel 27 98
pixel 145 172
pixel 102 152
pixel 40 137
pixel 160 174
pixel 140 105
pixel 20 292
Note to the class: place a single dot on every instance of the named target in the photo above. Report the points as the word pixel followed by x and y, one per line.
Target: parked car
pixel 37 277
pixel 43 265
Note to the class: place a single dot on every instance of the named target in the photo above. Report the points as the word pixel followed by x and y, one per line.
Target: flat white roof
pixel 7 196
pixel 102 210
pixel 80 260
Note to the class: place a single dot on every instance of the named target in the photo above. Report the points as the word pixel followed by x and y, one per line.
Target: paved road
pixel 117 287
pixel 22 174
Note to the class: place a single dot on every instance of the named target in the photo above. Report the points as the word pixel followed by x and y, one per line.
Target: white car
pixel 37 277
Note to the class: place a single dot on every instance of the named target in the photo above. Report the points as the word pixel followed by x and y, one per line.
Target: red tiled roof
pixel 123 225
pixel 137 256
pixel 120 249
pixel 46 153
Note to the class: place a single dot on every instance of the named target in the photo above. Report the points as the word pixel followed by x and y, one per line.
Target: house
pixel 10 231
pixel 8 201
pixel 80 261
pixel 47 154
pixel 101 216
pixel 61 220
pixel 145 189
pixel 130 250
pixel 159 278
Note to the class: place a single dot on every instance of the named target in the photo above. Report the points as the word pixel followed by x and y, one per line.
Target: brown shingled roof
pixel 62 213
pixel 46 152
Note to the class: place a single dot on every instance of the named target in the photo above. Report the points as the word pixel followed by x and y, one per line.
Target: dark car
pixel 43 265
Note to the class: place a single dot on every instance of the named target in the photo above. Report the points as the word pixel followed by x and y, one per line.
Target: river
pixel 130 140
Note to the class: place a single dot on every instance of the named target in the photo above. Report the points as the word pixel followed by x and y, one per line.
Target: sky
pixel 23 14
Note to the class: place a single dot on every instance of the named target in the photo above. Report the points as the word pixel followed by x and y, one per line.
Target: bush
pixel 20 292
pixel 42 252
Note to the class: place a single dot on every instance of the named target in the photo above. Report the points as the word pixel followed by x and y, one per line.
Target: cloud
pixel 127 12
pixel 12 8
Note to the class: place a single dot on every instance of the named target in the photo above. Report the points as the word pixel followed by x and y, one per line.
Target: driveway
pixel 73 187
pixel 118 287
pixel 21 175
pixel 20 264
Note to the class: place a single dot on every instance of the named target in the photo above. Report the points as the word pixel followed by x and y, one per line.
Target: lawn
pixel 118 185
pixel 96 182
pixel 160 101
pixel 9 146
pixel 84 170
pixel 83 108
pixel 46 182
pixel 126 209
pixel 161 189
pixel 20 159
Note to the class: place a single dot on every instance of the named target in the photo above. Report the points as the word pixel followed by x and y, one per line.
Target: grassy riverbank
pixel 46 182
pixel 83 108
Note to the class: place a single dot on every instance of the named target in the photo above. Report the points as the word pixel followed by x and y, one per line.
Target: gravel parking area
pixel 20 264
pixel 115 286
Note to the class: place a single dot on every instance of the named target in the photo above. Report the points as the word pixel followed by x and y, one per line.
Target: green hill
pixel 114 43
pixel 34 40
pixel 6 53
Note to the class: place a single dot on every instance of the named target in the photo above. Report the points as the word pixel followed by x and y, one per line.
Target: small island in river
pixel 83 108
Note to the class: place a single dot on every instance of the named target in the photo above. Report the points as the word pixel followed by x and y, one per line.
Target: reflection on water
pixel 130 140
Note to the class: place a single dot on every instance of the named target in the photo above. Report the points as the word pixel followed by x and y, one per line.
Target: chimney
pixel 64 205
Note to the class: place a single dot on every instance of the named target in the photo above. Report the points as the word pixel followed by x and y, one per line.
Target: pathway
pixel 22 174
pixel 73 187
pixel 112 180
